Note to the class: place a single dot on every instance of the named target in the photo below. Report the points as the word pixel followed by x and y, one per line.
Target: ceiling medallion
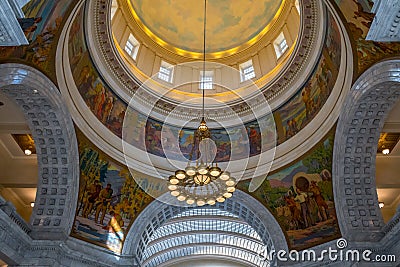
pixel 202 182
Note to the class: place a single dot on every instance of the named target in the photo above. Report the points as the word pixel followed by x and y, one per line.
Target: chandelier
pixel 202 181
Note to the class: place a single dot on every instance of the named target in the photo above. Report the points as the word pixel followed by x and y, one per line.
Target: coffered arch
pixel 369 102
pixel 57 150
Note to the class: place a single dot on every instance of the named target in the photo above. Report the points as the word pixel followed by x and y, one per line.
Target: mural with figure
pixel 146 133
pixel 300 197
pixel 300 110
pixel 102 101
pixel 230 24
pixel 359 18
pixel 109 198
pixel 42 37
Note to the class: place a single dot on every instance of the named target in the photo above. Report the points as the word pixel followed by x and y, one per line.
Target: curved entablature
pixel 175 231
pixel 214 233
pixel 207 249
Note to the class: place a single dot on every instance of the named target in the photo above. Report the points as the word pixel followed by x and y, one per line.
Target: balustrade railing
pixel 9 209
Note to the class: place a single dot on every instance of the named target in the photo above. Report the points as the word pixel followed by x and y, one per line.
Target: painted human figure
pixel 254 139
pixel 99 102
pixel 93 194
pixel 103 202
pixel 295 213
pixel 29 25
pixel 302 199
pixel 85 82
pixel 107 109
pixel 322 206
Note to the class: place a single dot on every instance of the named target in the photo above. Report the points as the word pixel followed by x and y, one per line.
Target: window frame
pixel 279 49
pixel 206 80
pixel 133 50
pixel 166 72
pixel 246 75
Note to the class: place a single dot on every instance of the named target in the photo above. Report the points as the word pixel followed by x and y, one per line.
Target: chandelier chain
pixel 204 54
pixel 204 183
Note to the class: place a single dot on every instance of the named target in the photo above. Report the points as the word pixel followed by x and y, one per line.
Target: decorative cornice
pixel 11 33
pixel 386 25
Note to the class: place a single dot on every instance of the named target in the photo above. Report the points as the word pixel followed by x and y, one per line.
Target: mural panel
pixel 42 36
pixel 109 198
pixel 359 18
pixel 296 113
pixel 300 197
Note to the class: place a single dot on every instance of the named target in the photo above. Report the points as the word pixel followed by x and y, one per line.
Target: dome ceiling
pixel 230 24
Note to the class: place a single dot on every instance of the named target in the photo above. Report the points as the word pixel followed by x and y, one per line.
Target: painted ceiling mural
pixel 359 18
pixel 109 198
pixel 229 23
pixel 283 193
pixel 290 118
pixel 40 53
pixel 300 197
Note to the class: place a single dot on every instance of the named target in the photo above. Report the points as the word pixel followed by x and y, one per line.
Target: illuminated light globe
pixel 215 171
pixel 173 180
pixel 202 169
pixel 225 176
pixel 175 193
pixel 230 182
pixel 190 201
pixel 227 195
pixel 220 199
pixel 181 198
pixel 231 189
pixel 190 170
pixel 211 202
pixel 172 187
pixel 180 174
pixel 200 202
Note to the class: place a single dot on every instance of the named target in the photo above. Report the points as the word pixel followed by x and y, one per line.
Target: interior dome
pixel 230 24
pixel 242 60
pixel 312 47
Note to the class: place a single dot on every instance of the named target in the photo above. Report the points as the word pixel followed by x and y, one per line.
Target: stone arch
pixel 241 204
pixel 361 120
pixel 57 151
